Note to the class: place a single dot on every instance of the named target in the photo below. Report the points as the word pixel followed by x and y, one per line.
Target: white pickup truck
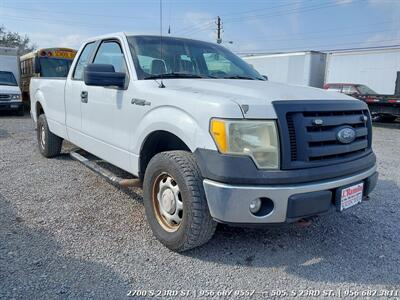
pixel 210 138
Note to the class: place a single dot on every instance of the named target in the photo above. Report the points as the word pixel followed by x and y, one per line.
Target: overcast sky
pixel 252 25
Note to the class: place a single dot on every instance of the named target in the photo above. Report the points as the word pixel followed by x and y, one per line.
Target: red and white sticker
pixel 351 196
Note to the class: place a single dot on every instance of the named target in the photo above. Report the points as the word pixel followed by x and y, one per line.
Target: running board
pixel 108 175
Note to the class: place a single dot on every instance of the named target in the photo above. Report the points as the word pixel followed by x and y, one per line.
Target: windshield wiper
pixel 239 77
pixel 175 75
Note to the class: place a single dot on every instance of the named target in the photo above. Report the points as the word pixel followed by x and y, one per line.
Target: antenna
pixel 169 18
pixel 161 85
pixel 219 27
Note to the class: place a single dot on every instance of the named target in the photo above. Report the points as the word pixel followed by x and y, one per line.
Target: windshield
pixel 7 78
pixel 184 58
pixel 364 90
pixel 54 67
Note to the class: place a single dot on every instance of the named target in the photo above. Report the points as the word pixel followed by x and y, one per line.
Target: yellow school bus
pixel 46 62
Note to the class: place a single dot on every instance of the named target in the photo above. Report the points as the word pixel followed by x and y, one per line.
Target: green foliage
pixel 15 40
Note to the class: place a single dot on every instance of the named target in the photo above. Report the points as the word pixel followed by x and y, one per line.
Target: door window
pixel 83 61
pixel 110 53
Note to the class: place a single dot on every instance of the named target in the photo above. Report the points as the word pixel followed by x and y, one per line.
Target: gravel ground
pixel 67 233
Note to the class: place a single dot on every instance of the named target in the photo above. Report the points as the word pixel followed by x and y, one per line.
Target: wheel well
pixel 156 142
pixel 39 110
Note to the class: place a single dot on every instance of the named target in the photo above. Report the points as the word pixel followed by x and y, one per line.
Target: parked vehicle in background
pixel 212 140
pixel 46 62
pixel 10 93
pixel 377 68
pixel 302 68
pixel 384 108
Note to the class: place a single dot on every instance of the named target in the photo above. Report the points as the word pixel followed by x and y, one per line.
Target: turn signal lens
pixel 218 132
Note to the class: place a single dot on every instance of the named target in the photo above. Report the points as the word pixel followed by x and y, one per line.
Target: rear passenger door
pixel 73 89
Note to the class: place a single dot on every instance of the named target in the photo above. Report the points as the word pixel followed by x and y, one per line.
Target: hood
pixel 8 89
pixel 257 94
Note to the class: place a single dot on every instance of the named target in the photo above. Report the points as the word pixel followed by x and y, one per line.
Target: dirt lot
pixel 66 233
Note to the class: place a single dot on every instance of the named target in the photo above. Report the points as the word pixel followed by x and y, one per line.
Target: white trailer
pixel 301 68
pixel 376 68
pixel 9 61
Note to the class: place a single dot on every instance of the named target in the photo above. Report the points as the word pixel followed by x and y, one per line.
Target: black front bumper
pixel 11 105
pixel 321 202
pixel 236 169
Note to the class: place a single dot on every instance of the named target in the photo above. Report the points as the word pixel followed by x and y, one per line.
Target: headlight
pixel 257 139
pixel 15 97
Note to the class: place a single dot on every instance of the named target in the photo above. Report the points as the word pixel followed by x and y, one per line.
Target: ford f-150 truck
pixel 210 138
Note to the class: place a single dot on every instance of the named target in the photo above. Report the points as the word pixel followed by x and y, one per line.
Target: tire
pixel 49 143
pixel 21 111
pixel 196 225
pixel 384 118
pixel 388 118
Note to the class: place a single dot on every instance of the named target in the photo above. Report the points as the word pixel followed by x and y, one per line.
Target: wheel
pixel 383 118
pixel 21 111
pixel 49 143
pixel 175 202
pixel 388 118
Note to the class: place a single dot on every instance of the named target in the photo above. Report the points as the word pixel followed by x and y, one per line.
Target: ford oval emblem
pixel 346 135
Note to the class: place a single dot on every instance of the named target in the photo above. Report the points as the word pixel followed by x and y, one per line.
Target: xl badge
pixel 346 135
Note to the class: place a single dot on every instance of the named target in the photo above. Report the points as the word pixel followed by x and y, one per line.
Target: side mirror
pixel 265 76
pixel 103 75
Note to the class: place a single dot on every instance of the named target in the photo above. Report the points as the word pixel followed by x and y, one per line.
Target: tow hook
pixel 305 222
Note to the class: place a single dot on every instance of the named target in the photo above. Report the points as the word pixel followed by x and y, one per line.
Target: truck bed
pixel 50 92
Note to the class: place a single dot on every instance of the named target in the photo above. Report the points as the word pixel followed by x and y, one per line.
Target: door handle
pixel 84 97
pixel 140 102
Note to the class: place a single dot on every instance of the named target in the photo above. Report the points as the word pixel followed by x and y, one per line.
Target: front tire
pixel 21 111
pixel 175 202
pixel 49 143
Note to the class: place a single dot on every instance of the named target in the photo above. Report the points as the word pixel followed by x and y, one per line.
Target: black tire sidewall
pixel 21 111
pixel 42 122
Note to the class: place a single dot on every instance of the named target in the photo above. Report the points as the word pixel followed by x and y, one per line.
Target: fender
pixel 38 97
pixel 182 124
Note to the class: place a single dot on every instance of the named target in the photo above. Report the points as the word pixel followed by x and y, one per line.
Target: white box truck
pixel 301 68
pixel 375 68
pixel 10 93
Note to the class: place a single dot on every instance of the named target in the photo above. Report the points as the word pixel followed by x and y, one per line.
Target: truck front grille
pixel 292 137
pixel 5 97
pixel 309 132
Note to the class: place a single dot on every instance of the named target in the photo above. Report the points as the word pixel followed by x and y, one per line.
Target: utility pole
pixel 219 27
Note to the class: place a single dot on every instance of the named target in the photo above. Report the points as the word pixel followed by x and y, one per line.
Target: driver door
pixel 105 108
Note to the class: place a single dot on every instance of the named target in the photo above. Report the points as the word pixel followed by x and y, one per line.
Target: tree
pixel 15 40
